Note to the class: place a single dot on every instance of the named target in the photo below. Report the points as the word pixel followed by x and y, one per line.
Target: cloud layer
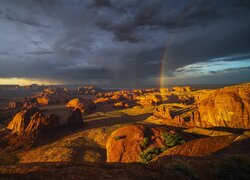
pixel 123 43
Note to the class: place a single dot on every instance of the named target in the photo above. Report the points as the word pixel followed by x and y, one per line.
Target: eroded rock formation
pixel 75 118
pixel 226 107
pixel 85 105
pixel 21 120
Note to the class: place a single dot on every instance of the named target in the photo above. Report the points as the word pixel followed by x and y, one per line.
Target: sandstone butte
pixel 226 107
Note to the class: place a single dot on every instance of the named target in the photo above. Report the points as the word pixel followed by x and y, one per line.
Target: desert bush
pixel 144 142
pixel 172 139
pixel 149 154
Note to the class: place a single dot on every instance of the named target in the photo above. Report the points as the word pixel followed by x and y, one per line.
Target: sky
pixel 124 43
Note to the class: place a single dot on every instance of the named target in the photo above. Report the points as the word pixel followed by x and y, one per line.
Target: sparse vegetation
pixel 172 139
pixel 149 154
pixel 119 137
pixel 144 143
pixel 185 169
pixel 233 167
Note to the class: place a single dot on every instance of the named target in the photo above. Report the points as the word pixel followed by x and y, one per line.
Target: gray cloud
pixel 41 52
pixel 120 42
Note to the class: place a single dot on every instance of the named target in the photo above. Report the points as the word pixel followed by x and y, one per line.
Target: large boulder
pixel 85 105
pixel 126 143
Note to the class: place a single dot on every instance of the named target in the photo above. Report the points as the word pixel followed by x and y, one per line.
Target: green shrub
pixel 144 142
pixel 172 139
pixel 163 149
pixel 233 167
pixel 119 137
pixel 149 154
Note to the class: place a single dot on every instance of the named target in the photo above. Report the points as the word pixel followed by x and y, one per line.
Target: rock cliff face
pixel 226 107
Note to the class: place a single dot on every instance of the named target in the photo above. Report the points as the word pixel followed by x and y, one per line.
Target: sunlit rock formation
pixel 226 107
pixel 126 143
pixel 21 120
pixel 85 105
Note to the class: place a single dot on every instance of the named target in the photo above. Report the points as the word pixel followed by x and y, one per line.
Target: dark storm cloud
pixel 10 16
pixel 154 14
pixel 120 42
pixel 101 3
pixel 40 52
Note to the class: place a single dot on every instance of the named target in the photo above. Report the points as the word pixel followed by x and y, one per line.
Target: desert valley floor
pixel 91 133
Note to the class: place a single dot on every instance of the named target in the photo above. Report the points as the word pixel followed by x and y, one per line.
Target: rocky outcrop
pixel 102 100
pixel 55 91
pixel 181 116
pixel 149 99
pixel 44 100
pixel 181 89
pixel 122 105
pixel 88 90
pixel 39 122
pixel 125 144
pixel 21 120
pixel 49 99
pixel 15 104
pixel 200 147
pixel 75 118
pixel 85 105
pixel 22 103
pixel 32 120
pixel 30 125
pixel 226 107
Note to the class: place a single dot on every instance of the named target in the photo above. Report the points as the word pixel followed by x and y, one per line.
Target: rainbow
pixel 163 64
